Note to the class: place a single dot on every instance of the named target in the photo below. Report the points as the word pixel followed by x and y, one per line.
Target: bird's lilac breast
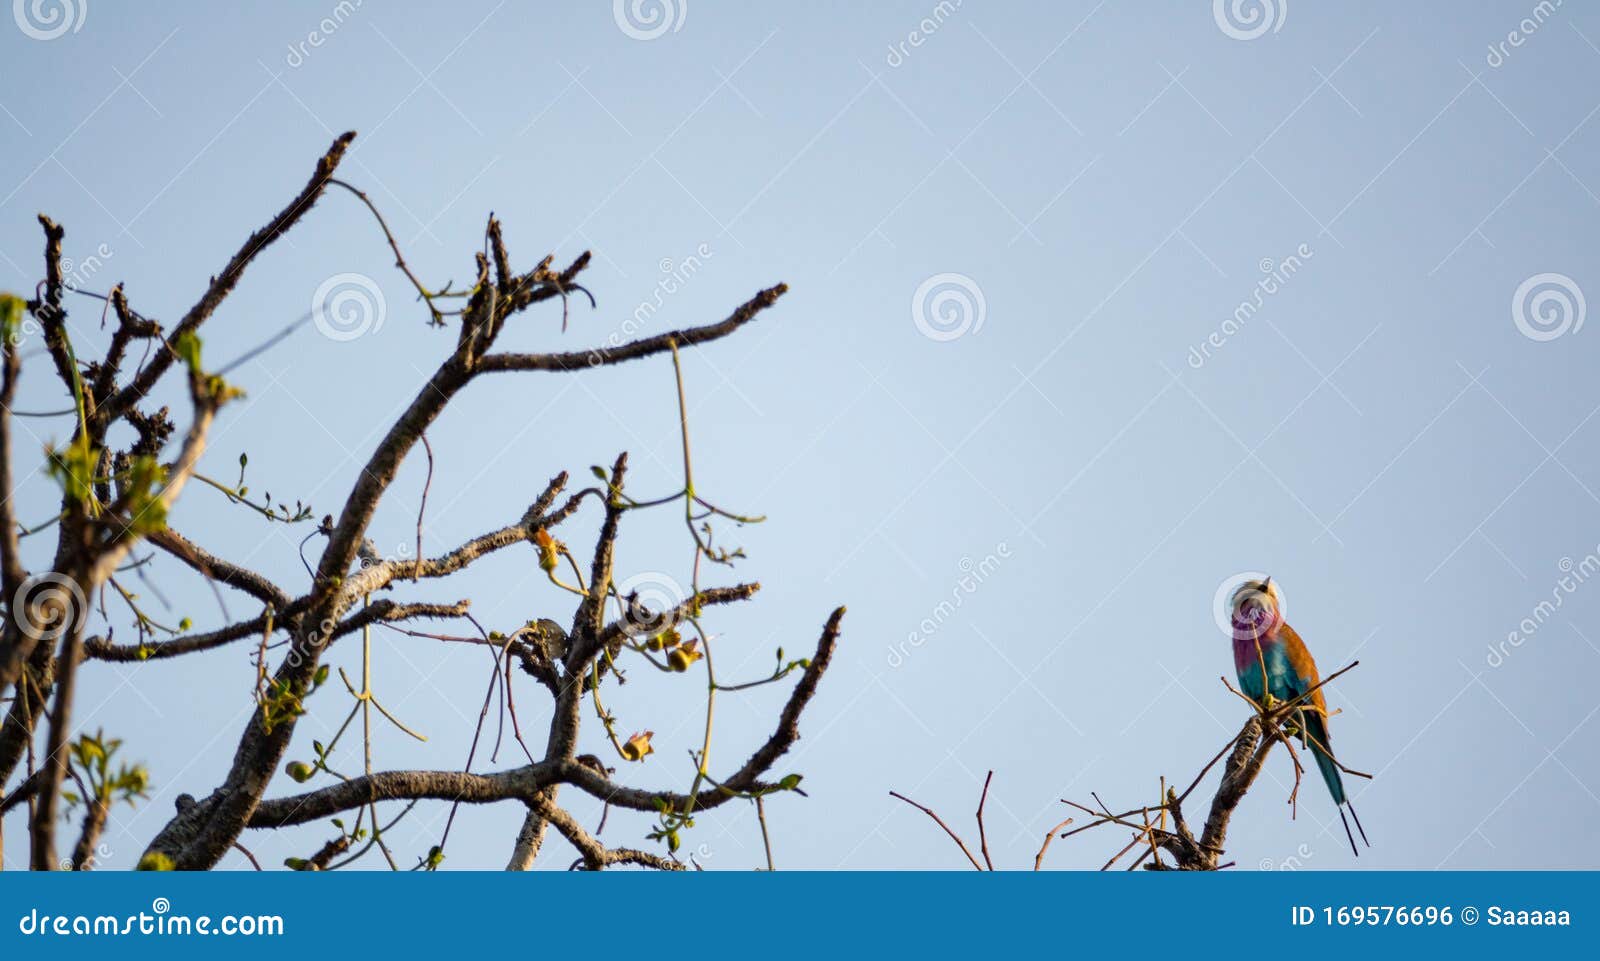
pixel 1250 622
pixel 1249 660
pixel 1245 653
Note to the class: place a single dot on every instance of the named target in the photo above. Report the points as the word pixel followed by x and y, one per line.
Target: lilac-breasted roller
pixel 1272 660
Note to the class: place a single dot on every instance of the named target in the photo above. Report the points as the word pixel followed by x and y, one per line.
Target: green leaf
pixel 12 309
pixel 73 467
pixel 132 782
pixel 155 861
pixel 147 479
pixel 187 348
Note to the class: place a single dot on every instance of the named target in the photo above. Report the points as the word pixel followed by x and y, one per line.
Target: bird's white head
pixel 1256 608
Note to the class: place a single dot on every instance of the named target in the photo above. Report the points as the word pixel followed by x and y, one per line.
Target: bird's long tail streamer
pixel 1353 849
pixel 1363 831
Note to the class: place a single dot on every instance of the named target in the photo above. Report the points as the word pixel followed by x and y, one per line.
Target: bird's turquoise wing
pixel 1281 680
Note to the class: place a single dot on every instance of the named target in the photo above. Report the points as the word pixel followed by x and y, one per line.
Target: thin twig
pixel 766 838
pixel 1050 835
pixel 940 821
pixel 983 839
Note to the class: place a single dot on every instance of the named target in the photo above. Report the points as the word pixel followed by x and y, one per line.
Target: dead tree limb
pixel 116 496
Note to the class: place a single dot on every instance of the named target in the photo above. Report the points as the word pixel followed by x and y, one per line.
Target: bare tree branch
pixel 222 284
pixel 114 496
pixel 1245 754
pixel 219 570
pixel 659 344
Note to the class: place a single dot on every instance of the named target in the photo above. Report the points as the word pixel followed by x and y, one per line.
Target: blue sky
pixel 977 420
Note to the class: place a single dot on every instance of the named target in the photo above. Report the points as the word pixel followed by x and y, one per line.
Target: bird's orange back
pixel 1304 666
